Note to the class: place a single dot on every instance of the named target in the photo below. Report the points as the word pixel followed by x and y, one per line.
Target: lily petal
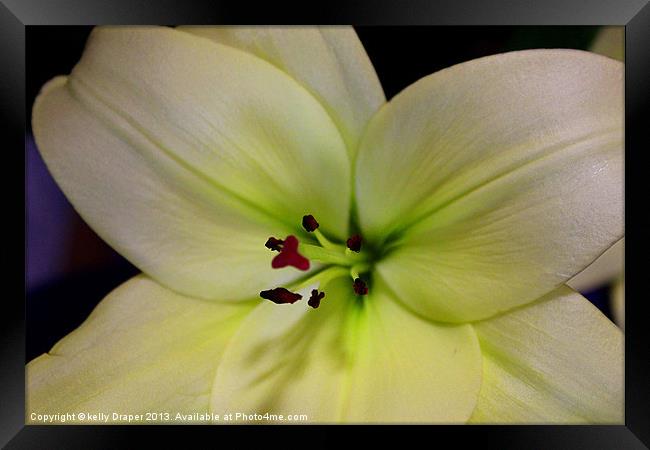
pixel 330 62
pixel 353 360
pixel 605 269
pixel 412 370
pixel 143 349
pixel 559 360
pixel 186 155
pixel 504 179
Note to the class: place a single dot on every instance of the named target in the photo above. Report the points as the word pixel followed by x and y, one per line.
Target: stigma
pixel 289 255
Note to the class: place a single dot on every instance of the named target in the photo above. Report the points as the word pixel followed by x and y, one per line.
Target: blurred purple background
pixel 50 220
pixel 69 269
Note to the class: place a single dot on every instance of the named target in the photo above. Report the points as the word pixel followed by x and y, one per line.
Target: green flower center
pixel 339 259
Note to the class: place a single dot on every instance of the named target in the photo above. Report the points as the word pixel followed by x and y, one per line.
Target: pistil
pixel 332 255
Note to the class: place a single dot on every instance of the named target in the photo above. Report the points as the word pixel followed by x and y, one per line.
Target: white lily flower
pixel 477 192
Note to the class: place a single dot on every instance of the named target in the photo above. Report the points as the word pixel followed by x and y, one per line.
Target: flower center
pixel 339 260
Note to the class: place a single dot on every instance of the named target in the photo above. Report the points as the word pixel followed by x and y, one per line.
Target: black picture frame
pixel 15 15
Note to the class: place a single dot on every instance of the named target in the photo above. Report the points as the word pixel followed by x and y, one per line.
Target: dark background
pixel 69 269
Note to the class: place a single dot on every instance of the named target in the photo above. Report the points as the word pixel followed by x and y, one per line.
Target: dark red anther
pixel 274 244
pixel 289 256
pixel 360 287
pixel 354 243
pixel 280 296
pixel 316 297
pixel 309 223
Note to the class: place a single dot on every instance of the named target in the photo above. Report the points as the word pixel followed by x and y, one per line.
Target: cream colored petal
pixel 605 269
pixel 411 370
pixel 143 349
pixel 329 61
pixel 559 360
pixel 496 180
pixel 351 360
pixel 186 155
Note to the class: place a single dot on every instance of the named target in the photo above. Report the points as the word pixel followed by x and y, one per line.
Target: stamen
pixel 280 296
pixel 358 269
pixel 316 297
pixel 322 240
pixel 360 287
pixel 354 243
pixel 289 256
pixel 274 244
pixel 309 223
pixel 322 278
